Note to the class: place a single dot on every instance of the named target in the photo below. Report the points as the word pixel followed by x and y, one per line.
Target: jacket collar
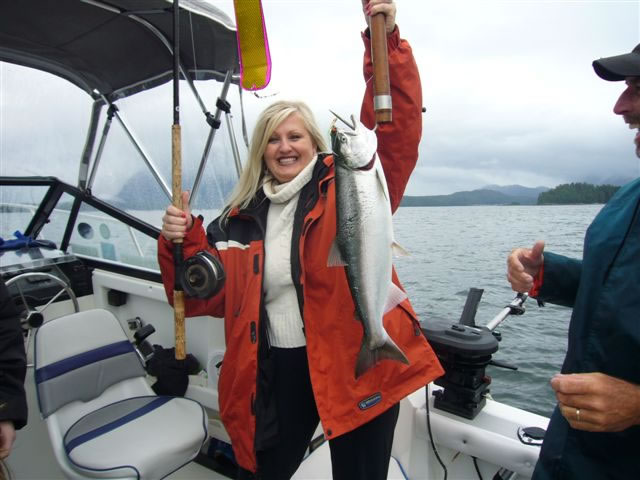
pixel 322 173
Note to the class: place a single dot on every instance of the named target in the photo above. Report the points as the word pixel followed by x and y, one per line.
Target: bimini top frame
pixel 116 48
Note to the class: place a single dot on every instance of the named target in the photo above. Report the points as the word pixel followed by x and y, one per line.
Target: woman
pixel 291 337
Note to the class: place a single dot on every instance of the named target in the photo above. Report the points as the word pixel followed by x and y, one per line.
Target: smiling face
pixel 628 105
pixel 289 149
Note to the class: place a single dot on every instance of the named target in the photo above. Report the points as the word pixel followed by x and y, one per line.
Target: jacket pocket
pixel 408 310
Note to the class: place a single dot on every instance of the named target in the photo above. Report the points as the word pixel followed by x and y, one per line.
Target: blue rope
pixel 24 241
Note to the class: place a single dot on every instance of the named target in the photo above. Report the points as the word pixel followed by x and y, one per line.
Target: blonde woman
pixel 291 337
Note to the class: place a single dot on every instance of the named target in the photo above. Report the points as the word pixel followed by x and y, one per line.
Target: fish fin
pixel 381 178
pixel 367 358
pixel 395 295
pixel 335 257
pixel 398 250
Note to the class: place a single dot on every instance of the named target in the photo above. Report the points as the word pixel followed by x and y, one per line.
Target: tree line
pixel 577 193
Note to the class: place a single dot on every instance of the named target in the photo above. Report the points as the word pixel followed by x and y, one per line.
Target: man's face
pixel 628 105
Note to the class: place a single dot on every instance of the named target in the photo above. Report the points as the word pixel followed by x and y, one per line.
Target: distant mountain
pixel 141 192
pixel 517 190
pixel 491 195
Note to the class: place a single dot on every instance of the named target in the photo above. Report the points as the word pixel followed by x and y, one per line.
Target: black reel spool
pixel 202 275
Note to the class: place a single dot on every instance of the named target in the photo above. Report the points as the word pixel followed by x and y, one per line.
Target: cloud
pixel 510 93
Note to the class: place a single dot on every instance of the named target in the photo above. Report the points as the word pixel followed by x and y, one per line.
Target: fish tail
pixel 368 358
pixel 391 351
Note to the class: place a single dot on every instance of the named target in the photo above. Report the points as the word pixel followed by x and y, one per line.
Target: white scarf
pixel 281 300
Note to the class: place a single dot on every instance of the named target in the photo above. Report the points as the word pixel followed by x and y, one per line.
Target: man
pixel 594 432
pixel 13 366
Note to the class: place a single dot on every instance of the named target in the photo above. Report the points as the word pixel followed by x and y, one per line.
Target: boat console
pixel 37 269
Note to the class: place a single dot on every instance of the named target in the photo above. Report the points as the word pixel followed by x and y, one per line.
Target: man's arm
pixel 13 367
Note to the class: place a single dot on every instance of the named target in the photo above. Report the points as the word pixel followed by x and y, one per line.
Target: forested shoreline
pixel 577 193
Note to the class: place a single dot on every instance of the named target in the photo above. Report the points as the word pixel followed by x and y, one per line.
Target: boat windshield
pixel 43 131
pixel 86 118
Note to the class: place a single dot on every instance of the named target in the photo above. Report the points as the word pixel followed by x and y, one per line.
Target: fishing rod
pixel 202 275
pixel 514 308
pixel 380 60
pixel 176 184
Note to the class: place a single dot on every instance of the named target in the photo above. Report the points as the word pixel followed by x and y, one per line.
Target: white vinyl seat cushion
pixel 103 417
pixel 143 437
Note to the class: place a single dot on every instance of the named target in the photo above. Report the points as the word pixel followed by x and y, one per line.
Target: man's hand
pixel 7 436
pixel 386 7
pixel 523 264
pixel 596 402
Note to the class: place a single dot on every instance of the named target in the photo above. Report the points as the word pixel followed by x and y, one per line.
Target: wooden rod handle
pixel 176 168
pixel 380 59
pixel 178 317
pixel 176 190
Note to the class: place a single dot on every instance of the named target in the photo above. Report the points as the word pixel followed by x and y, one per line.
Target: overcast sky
pixel 510 93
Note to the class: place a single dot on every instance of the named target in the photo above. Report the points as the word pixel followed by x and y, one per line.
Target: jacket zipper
pixel 309 196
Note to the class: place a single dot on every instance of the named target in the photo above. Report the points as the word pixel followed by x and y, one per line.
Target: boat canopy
pixel 112 49
pixel 115 48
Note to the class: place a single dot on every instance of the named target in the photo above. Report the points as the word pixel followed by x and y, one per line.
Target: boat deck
pixel 32 457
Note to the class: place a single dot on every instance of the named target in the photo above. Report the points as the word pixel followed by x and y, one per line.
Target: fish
pixel 364 243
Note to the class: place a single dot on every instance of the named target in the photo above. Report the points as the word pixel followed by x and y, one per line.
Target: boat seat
pixel 103 418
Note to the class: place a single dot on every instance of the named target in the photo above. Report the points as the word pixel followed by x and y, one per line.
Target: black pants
pixel 362 454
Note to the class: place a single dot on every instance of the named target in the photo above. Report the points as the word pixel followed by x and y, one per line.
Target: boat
pixel 81 258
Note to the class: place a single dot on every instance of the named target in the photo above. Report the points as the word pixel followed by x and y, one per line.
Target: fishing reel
pixel 202 275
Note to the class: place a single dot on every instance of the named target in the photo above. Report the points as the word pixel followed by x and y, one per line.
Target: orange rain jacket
pixel 333 333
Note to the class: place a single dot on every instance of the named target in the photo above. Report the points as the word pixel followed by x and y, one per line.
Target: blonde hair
pixel 254 172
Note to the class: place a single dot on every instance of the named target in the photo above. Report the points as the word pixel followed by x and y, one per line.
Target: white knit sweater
pixel 281 300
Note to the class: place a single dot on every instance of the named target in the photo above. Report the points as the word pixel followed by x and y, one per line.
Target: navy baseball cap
pixel 619 67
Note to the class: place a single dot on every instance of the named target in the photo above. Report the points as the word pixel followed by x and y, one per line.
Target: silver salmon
pixel 364 241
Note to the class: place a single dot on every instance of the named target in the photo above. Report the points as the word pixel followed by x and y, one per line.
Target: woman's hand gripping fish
pixel 364 239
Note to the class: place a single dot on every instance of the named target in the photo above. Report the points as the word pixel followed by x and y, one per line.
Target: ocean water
pixel 455 248
pixel 451 250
